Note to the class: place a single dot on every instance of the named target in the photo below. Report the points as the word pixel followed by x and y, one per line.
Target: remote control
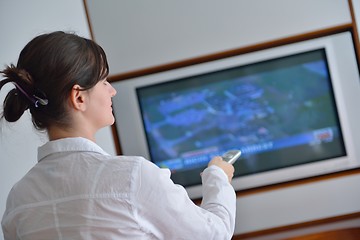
pixel 231 156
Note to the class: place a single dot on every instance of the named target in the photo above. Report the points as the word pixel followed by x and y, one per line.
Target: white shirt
pixel 77 191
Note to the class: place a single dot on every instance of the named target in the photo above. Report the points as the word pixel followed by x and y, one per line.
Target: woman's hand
pixel 225 166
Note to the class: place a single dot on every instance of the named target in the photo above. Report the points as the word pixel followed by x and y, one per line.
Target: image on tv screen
pixel 279 113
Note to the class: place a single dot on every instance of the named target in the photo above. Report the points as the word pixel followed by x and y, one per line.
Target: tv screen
pixel 279 112
pixel 293 111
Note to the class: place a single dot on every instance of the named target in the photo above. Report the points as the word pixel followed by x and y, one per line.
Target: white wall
pixel 141 34
pixel 20 21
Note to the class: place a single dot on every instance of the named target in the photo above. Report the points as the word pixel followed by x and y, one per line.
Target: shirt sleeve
pixel 163 209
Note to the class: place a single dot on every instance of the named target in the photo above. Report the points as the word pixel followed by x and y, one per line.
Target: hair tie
pixel 36 100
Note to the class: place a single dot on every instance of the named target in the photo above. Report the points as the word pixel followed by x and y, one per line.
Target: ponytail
pixel 22 97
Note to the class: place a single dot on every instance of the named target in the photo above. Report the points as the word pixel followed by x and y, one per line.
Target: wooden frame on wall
pixel 234 52
pixel 252 48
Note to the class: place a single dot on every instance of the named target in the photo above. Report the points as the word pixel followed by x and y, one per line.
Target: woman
pixel 76 190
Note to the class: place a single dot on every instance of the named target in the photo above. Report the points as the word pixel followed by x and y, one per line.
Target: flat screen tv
pixel 293 111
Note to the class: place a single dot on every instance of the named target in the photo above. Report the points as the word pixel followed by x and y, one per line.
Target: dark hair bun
pixel 14 106
pixel 15 102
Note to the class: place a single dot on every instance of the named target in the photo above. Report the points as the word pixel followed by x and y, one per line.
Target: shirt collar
pixel 77 144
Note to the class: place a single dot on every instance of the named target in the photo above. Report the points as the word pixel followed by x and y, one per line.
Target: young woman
pixel 76 190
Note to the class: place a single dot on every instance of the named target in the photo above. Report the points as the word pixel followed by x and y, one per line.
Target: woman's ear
pixel 77 98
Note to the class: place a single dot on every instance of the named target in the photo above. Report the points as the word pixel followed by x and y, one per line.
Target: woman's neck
pixel 56 133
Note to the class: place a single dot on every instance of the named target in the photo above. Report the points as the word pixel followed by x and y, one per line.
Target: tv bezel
pixel 342 64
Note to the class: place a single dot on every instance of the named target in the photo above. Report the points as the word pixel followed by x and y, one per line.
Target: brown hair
pixel 47 69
